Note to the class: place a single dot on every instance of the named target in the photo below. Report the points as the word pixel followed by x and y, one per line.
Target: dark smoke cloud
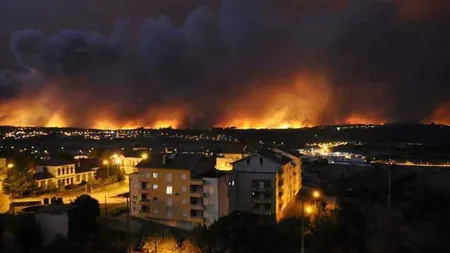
pixel 377 60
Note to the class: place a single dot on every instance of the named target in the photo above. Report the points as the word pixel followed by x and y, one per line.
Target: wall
pixel 211 200
pixel 52 225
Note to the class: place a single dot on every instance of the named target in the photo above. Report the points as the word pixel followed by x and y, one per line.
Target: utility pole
pixel 106 210
pixel 389 187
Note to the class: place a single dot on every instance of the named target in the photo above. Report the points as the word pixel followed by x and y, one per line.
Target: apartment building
pixel 62 173
pixel 179 190
pixel 265 182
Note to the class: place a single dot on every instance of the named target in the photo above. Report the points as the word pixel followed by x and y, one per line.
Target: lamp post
pixel 309 210
pixel 106 162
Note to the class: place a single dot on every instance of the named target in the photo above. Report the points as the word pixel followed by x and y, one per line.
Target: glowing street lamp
pixel 106 163
pixel 144 156
pixel 10 165
pixel 316 194
pixel 308 210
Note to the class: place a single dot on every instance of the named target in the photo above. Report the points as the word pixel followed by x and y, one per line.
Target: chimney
pixel 164 159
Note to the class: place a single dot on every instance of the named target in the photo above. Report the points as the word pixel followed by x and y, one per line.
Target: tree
pixel 19 183
pixel 83 219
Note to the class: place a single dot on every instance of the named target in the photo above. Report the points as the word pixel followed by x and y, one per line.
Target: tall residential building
pixel 179 190
pixel 265 182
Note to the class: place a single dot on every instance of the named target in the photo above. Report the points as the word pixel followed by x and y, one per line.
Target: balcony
pixel 197 219
pixel 197 206
pixel 259 189
pixel 197 194
pixel 261 201
pixel 261 212
pixel 196 181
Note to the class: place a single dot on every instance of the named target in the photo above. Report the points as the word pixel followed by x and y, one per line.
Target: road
pixel 103 197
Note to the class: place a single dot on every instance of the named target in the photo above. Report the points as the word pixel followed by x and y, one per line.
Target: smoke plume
pixel 250 63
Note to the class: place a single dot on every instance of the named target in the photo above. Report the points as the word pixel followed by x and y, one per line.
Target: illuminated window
pixel 183 176
pixel 169 177
pixel 169 190
pixel 155 186
pixel 59 172
pixel 183 188
pixel 155 175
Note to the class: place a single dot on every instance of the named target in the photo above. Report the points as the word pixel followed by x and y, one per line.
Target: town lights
pixel 10 165
pixel 308 210
pixel 105 162
pixel 117 161
pixel 144 156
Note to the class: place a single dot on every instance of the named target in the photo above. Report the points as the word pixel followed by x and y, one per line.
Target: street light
pixel 316 194
pixel 144 156
pixel 106 163
pixel 308 210
pixel 10 165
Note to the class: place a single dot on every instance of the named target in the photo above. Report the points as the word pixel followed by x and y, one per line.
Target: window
pixel 135 198
pixel 71 180
pixel 183 188
pixel 72 170
pixel 67 181
pixel 145 209
pixel 155 175
pixel 184 201
pixel 184 213
pixel 169 190
pixel 144 185
pixel 261 161
pixel 169 202
pixel 183 176
pixel 169 213
pixel 211 190
pixel 248 161
pixel 155 187
pixel 169 177
pixel 155 198
pixel 155 210
pixel 78 178
pixel 144 196
pixel 67 170
pixel 59 172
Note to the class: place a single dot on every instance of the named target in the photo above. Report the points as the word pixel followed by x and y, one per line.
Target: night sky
pixel 252 63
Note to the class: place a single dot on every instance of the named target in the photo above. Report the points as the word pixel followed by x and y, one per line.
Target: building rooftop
pixel 213 174
pixel 42 175
pixel 276 157
pixel 196 163
pixel 55 209
pixel 85 165
pixel 55 161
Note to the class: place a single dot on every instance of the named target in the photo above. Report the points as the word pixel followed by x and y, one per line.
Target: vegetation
pixel 83 219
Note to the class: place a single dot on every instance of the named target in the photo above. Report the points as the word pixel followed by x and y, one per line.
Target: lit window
pixel 211 190
pixel 169 189
pixel 169 177
pixel 155 175
pixel 183 188
pixel 232 183
pixel 183 176
pixel 155 186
